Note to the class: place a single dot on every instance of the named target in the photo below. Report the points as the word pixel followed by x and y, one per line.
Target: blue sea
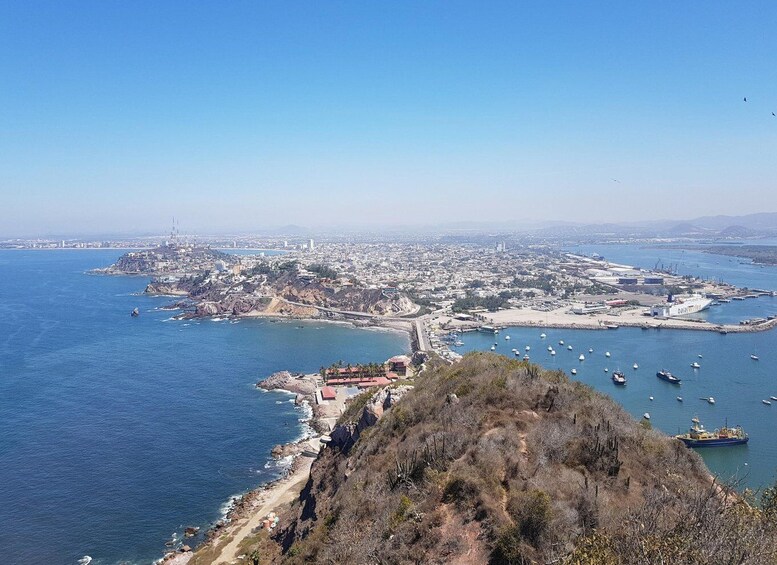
pixel 117 432
pixel 727 373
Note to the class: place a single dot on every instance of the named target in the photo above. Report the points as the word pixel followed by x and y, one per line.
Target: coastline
pixel 631 318
pixel 220 543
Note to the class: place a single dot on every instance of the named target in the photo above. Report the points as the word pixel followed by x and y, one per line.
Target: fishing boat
pixel 767 402
pixel 697 436
pixel 665 375
pixel 618 378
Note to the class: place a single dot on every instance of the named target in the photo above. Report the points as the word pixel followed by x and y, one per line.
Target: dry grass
pixel 541 468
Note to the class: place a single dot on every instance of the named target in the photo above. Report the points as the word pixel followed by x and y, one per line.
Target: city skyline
pixel 240 116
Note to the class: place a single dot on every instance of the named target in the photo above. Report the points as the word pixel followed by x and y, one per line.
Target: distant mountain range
pixel 752 225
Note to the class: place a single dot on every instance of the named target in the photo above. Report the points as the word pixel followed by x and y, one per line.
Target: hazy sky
pixel 117 115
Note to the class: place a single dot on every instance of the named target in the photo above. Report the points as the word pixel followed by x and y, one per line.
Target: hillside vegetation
pixel 494 460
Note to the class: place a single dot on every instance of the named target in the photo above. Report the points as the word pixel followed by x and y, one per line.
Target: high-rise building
pixel 311 246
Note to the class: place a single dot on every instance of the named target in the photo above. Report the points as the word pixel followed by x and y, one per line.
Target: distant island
pixel 761 254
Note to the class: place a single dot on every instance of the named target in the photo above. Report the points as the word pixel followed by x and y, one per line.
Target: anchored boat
pixel 697 436
pixel 668 377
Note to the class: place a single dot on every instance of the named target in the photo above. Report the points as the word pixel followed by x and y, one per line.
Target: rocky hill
pixel 493 460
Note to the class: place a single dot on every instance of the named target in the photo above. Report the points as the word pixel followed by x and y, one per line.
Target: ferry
pixel 681 305
pixel 697 436
pixel 619 378
pixel 668 377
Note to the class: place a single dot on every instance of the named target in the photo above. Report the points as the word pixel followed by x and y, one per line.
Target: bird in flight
pixel 745 98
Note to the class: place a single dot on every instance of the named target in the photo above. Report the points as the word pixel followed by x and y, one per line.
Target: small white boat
pixel 493 348
pixel 561 342
pixel 527 348
pixel 607 354
pixel 507 337
pixel 513 350
pixel 590 350
pixel 700 356
pixel 767 402
pixel 650 398
pixel 581 358
pixel 646 415
pixel 550 348
pixel 711 400
pixel 606 370
pixel 695 365
pixel 679 399
pixel 573 371
pixel 754 357
pixel 517 353
pixel 525 357
pixel 552 351
pixel 635 366
pixel 543 336
pixel 773 398
pixel 569 347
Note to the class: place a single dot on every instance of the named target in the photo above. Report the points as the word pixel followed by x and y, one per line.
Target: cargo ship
pixel 680 305
pixel 697 436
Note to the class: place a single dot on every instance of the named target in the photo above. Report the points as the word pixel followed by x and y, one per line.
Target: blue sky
pixel 115 116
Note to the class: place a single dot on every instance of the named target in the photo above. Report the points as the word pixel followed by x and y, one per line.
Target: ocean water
pixel 116 432
pixel 727 373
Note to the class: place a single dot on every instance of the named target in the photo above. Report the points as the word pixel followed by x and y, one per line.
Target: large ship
pixel 697 436
pixel 681 305
pixel 665 375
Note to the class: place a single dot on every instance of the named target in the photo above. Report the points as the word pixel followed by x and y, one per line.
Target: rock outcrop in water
pixel 284 380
